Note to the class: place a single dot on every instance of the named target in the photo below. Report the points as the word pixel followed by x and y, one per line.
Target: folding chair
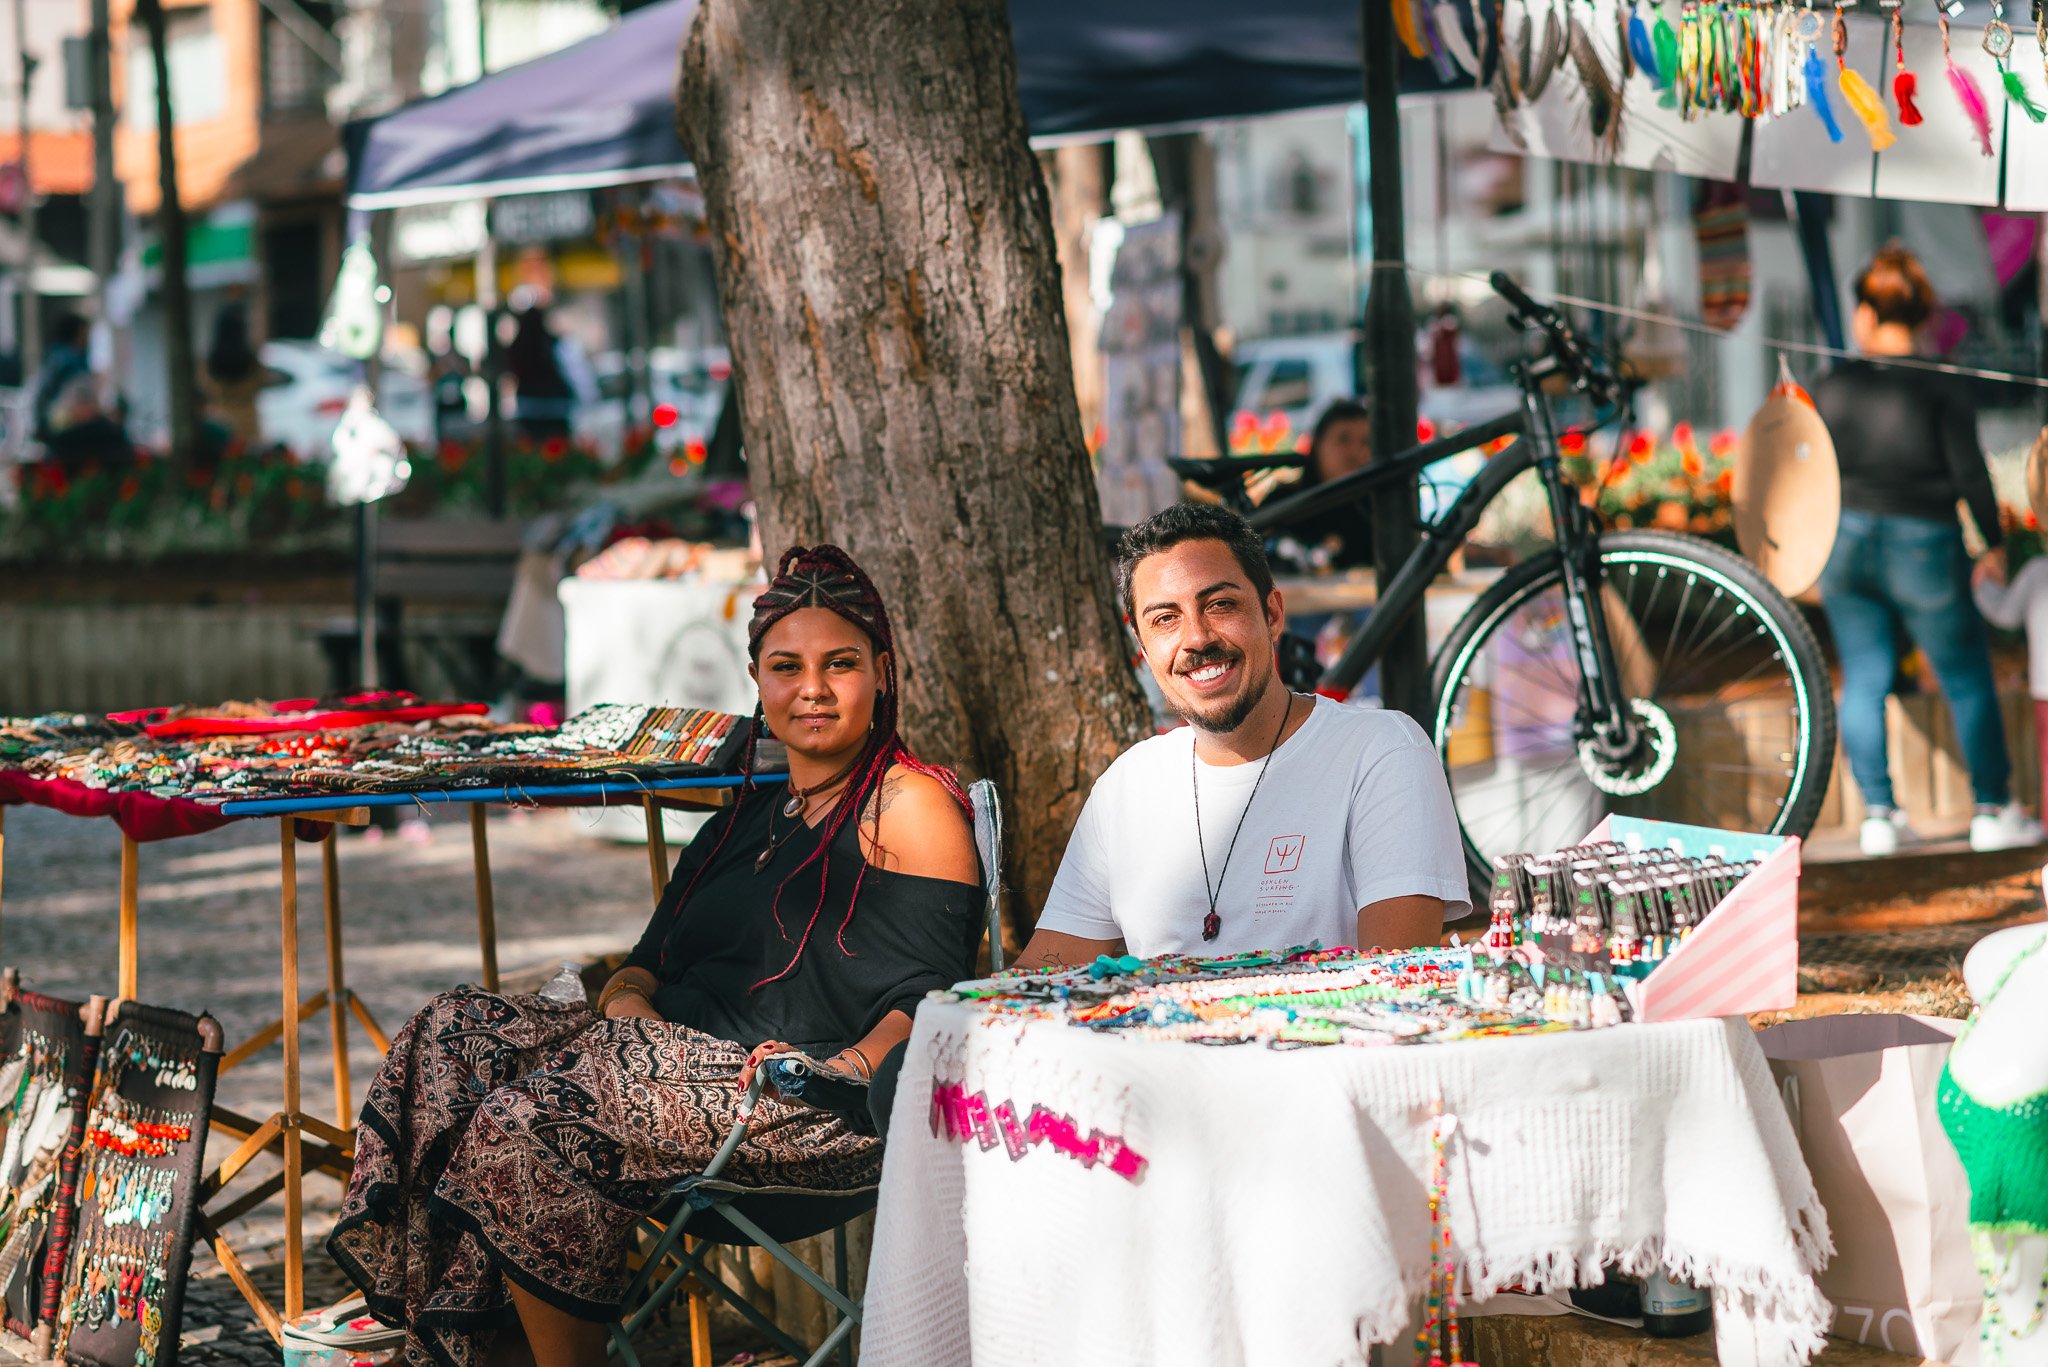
pixel 710 1210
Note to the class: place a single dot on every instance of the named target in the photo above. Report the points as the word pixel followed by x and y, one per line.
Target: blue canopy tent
pixel 603 111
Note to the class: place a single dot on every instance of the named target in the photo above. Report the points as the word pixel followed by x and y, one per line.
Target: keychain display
pixel 1602 908
pixel 51 1046
pixel 1756 59
pixel 139 1173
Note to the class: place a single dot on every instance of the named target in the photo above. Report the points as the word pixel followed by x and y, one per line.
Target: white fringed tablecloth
pixel 1281 1214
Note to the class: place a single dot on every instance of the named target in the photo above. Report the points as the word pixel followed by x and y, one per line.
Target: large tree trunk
pixel 886 264
pixel 1079 180
pixel 182 371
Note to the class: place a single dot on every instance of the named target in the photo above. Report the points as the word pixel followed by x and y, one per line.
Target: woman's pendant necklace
pixel 793 805
pixel 767 855
pixel 1212 924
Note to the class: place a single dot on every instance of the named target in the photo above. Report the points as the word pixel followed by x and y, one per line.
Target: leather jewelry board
pixel 42 1114
pixel 2037 477
pixel 124 1283
pixel 1787 491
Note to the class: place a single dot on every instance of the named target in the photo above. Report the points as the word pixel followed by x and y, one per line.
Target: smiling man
pixel 1273 818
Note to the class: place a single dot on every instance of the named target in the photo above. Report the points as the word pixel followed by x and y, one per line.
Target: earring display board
pixel 123 1290
pixel 52 1046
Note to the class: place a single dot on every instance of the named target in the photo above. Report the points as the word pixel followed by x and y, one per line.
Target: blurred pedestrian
pixel 543 400
pixel 1341 443
pixel 235 376
pixel 1906 441
pixel 67 358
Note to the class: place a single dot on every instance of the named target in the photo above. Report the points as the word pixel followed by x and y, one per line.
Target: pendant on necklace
pixel 762 859
pixel 795 805
pixel 1212 926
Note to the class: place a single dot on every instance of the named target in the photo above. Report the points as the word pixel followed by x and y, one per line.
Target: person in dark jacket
pixel 1906 440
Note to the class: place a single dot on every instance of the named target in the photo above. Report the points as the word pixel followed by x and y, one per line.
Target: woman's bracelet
pixel 618 989
pixel 860 1062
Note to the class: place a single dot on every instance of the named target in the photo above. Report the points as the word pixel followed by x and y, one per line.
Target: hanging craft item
pixel 1537 71
pixel 123 1285
pixel 43 1088
pixel 1999 42
pixel 1905 84
pixel 1817 78
pixel 1968 93
pixel 1603 94
pixel 1408 24
pixel 1863 100
pixel 1626 56
pixel 2037 478
pixel 1664 39
pixel 1440 59
pixel 1450 31
pixel 1787 490
pixel 1720 221
pixel 1785 72
pixel 1642 46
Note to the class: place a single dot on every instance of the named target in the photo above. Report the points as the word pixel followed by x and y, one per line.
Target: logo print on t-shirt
pixel 1284 854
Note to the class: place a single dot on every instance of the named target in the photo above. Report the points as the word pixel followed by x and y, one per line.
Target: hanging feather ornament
pixel 1998 41
pixel 1905 84
pixel 1788 81
pixel 1968 93
pixel 1450 31
pixel 1627 57
pixel 1863 100
pixel 1643 48
pixel 1439 57
pixel 1409 27
pixel 1817 92
pixel 1664 39
pixel 1603 96
pixel 1548 57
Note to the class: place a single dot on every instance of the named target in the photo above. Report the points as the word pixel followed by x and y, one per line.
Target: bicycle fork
pixel 1606 715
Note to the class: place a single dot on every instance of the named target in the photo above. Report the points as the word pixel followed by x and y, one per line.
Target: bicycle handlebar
pixel 1587 373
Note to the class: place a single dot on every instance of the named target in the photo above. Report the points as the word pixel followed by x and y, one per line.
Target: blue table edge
pixel 296 806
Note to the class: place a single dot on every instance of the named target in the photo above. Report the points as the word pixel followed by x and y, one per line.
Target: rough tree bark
pixel 886 265
pixel 182 368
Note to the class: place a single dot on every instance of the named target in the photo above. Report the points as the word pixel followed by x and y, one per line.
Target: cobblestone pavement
pixel 210 940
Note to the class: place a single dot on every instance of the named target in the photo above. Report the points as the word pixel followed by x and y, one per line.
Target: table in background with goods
pixel 1079 1171
pixel 314 767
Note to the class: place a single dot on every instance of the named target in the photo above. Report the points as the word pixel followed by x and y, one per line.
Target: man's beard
pixel 1223 717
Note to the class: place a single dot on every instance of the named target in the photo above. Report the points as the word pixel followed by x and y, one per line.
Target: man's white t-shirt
pixel 1354 809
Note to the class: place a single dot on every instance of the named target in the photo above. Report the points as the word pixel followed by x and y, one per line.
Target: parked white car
pixel 686 399
pixel 300 408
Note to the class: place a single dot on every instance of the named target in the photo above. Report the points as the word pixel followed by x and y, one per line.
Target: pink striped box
pixel 1744 957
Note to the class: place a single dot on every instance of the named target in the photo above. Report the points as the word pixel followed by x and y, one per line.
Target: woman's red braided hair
pixel 825 576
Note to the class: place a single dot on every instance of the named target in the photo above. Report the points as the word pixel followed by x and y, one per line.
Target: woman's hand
pixel 761 1053
pixel 1990 565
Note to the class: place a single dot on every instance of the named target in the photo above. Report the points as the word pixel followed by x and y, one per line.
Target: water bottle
pixel 566 985
pixel 1616 1297
pixel 1673 1309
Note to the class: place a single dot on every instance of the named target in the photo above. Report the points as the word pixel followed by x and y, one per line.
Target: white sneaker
pixel 2008 828
pixel 1883 835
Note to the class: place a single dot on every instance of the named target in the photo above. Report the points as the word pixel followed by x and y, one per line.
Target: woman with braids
pixel 509 1144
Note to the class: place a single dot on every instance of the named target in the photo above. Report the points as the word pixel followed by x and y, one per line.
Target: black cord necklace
pixel 799 802
pixel 1212 924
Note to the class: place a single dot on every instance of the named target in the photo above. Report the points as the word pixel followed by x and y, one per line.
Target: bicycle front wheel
pixel 1726 682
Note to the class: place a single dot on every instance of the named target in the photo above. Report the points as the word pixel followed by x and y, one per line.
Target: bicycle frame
pixel 1606 717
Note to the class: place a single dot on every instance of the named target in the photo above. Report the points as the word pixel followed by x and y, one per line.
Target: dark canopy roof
pixel 602 112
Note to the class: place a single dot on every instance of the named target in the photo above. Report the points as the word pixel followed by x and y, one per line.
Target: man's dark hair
pixel 1191 522
pixel 72 330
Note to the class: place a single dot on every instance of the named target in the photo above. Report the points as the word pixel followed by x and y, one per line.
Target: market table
pixel 305 1142
pixel 1280 1214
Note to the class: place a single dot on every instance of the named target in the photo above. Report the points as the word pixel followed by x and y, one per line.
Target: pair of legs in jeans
pixel 1889 571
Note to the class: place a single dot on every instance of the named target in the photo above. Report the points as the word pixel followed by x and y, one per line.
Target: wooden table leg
pixel 130 858
pixel 657 846
pixel 486 908
pixel 337 984
pixel 294 1214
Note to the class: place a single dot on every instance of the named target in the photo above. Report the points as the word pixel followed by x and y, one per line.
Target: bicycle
pixel 1644 673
